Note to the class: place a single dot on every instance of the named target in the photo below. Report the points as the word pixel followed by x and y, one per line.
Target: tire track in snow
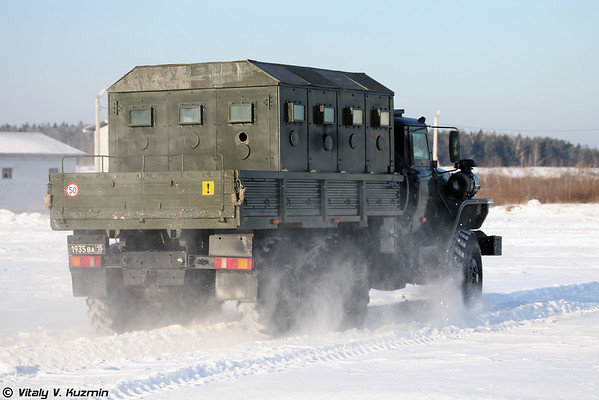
pixel 279 359
pixel 500 312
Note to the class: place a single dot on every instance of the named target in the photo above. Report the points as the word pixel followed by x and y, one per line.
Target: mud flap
pixel 489 245
pixel 93 282
pixel 235 285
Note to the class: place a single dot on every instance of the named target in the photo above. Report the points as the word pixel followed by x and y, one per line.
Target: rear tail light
pixel 232 263
pixel 85 261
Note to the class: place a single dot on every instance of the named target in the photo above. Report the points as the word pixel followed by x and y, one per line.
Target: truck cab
pixel 411 142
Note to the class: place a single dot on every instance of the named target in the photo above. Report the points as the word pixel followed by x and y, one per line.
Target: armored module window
pixel 354 116
pixel 141 117
pixel 328 115
pixel 325 115
pixel 296 112
pixel 190 114
pixel 241 113
pixel 381 119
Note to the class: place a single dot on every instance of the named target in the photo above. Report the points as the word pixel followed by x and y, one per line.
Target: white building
pixel 101 147
pixel 26 160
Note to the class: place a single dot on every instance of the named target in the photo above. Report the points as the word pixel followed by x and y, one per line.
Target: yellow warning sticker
pixel 207 188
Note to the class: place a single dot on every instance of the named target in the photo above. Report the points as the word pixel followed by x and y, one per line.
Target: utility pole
pixel 435 139
pixel 97 161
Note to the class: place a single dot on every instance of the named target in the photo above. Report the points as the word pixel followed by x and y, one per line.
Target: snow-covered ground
pixel 535 334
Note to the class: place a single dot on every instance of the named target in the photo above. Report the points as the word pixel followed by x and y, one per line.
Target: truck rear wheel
pixel 466 258
pixel 100 315
pixel 317 280
pixel 119 312
pixel 282 308
pixel 132 308
pixel 338 281
pixel 279 287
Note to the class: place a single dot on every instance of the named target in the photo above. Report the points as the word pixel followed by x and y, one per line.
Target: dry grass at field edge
pixel 570 188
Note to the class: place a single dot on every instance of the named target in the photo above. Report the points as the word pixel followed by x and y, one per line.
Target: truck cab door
pixel 402 146
pixel 421 164
pixel 412 148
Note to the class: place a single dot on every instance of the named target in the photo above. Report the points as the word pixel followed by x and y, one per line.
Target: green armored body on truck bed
pixel 279 186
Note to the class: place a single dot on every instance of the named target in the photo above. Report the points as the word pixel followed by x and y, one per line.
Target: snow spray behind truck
pixel 282 187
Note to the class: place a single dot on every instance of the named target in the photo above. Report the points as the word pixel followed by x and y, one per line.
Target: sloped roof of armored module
pixel 236 74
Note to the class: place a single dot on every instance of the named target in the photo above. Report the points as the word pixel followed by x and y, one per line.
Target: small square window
pixel 141 117
pixel 241 113
pixel 357 117
pixel 53 170
pixel 190 115
pixel 354 116
pixel 7 173
pixel 385 118
pixel 326 114
pixel 296 112
pixel 381 119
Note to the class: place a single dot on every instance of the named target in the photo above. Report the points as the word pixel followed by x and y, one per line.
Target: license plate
pixel 97 248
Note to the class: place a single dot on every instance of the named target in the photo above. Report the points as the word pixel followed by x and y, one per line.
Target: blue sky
pixel 528 67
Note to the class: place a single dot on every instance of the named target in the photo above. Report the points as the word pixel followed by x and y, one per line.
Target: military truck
pixel 288 189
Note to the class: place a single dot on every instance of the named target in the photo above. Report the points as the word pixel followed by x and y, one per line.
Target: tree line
pixel 502 150
pixel 488 149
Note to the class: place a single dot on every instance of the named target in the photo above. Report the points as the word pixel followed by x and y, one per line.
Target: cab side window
pixel 420 146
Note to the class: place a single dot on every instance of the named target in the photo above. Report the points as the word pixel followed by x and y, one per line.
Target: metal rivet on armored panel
pixel 192 140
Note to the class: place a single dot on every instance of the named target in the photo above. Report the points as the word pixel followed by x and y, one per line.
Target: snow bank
pixel 24 219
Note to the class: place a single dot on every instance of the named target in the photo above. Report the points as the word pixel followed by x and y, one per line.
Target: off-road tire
pixel 113 314
pixel 279 287
pixel 466 261
pixel 338 280
pixel 100 315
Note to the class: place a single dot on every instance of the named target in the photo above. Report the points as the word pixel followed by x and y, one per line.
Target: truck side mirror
pixel 454 146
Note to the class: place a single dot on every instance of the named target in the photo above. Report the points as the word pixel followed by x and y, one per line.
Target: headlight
pixel 463 185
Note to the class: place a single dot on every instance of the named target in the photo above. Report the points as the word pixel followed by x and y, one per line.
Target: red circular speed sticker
pixel 72 190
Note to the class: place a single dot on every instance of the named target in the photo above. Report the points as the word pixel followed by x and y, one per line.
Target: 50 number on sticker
pixel 72 190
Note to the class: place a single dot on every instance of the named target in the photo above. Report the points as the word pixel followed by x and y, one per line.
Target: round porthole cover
pixel 327 143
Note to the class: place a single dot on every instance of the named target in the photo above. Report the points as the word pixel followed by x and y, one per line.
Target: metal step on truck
pixel 292 190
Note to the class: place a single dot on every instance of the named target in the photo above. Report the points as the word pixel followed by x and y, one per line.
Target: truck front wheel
pixel 465 256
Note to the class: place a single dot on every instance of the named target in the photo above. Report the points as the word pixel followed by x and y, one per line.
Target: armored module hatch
pixel 282 187
pixel 259 116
